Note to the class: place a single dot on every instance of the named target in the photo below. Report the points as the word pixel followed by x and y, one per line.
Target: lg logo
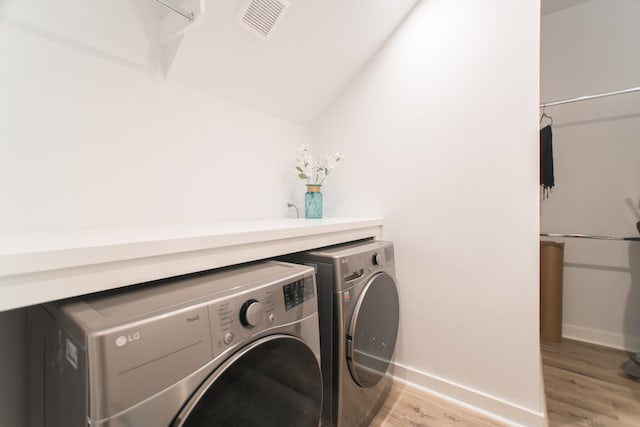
pixel 124 339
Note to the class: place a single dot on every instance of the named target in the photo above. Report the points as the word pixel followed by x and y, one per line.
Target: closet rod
pixel 586 236
pixel 169 5
pixel 587 97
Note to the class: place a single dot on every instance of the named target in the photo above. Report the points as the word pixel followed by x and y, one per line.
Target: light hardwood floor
pixel 584 386
pixel 409 407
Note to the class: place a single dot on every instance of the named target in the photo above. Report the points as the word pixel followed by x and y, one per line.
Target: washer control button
pixel 228 338
pixel 272 318
pixel 251 313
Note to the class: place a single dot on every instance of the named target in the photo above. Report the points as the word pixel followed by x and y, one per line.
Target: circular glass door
pixel 373 330
pixel 274 382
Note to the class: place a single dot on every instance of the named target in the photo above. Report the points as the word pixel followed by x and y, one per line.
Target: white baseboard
pixel 604 338
pixel 474 400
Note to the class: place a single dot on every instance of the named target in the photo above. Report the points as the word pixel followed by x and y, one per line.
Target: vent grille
pixel 261 17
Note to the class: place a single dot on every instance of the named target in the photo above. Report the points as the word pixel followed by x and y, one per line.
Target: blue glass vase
pixel 313 202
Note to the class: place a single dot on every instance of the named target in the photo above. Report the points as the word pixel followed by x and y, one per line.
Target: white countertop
pixel 40 267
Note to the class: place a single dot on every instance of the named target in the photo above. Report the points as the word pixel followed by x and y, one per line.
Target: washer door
pixel 273 382
pixel 373 330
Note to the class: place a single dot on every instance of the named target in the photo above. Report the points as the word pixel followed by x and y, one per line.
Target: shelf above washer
pixel 41 267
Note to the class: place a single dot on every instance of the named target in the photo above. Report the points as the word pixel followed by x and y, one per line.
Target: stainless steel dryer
pixel 359 313
pixel 233 347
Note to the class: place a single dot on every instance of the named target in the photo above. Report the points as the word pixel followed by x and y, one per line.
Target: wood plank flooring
pixel 584 386
pixel 409 407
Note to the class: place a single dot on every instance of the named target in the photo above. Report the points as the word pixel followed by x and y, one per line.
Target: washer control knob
pixel 251 313
pixel 272 318
pixel 228 338
pixel 375 259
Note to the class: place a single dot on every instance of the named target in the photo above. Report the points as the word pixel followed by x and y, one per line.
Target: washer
pixel 359 314
pixel 232 347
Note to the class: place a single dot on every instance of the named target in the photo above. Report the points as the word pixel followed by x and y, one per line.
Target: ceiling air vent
pixel 261 17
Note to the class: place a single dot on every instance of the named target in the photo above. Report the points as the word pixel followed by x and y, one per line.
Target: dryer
pixel 359 315
pixel 232 347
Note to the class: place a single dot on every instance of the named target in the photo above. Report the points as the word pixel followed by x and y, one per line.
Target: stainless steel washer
pixel 232 347
pixel 359 314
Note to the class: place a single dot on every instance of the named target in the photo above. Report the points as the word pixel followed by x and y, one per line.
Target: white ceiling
pixel 318 47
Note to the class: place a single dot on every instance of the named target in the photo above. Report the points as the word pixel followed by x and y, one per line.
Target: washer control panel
pixel 297 292
pixel 252 312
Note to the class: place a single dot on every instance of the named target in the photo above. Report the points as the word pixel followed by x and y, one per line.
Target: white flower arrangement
pixel 314 173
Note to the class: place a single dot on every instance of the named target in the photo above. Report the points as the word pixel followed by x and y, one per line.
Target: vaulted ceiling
pixel 313 53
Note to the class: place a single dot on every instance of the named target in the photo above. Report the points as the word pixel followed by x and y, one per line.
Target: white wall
pixel 592 48
pixel 90 136
pixel 439 135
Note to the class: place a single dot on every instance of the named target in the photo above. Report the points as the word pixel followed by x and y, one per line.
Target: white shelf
pixel 174 25
pixel 40 267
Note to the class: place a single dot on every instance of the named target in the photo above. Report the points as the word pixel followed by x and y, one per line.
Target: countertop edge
pixel 54 265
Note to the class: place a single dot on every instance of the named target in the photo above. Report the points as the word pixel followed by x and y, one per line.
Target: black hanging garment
pixel 546 161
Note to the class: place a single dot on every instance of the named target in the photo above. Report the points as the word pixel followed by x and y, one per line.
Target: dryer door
pixel 373 330
pixel 273 382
